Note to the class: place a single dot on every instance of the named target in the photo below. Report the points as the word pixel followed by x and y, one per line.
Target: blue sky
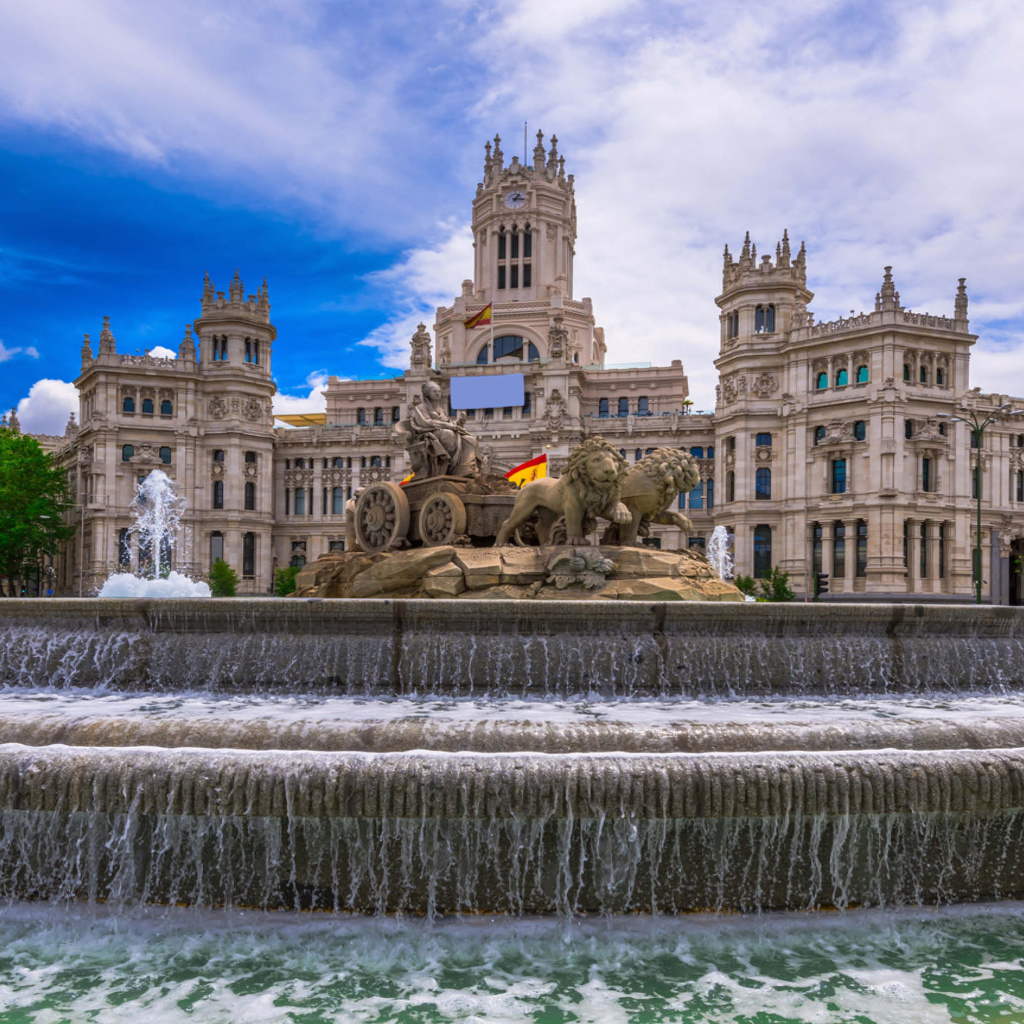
pixel 335 149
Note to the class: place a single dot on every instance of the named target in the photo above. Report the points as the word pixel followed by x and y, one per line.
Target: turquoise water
pixel 79 964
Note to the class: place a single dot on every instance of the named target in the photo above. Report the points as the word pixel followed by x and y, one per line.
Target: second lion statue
pixel 588 489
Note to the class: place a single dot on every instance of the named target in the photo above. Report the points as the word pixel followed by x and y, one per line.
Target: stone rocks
pixel 626 574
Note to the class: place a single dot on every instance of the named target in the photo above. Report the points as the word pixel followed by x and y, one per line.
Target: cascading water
pixel 718 553
pixel 158 509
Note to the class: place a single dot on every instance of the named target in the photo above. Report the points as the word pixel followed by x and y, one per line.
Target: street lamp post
pixel 977 433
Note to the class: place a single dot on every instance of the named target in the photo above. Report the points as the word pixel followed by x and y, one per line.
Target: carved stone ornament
pixel 250 469
pixel 555 411
pixel 587 567
pixel 146 455
pixel 552 232
pixel 764 385
pixel 732 387
pixel 837 432
pixel 558 338
pixel 218 407
pixel 217 469
pixel 85 454
pixel 252 409
pixel 764 453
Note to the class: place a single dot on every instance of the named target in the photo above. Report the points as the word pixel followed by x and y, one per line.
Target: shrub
pixel 745 585
pixel 223 579
pixel 284 580
pixel 775 586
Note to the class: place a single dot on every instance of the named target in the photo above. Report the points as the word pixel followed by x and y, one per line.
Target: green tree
pixel 745 584
pixel 223 579
pixel 33 499
pixel 284 580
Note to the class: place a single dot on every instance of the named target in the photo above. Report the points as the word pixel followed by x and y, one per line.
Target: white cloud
pixel 313 401
pixel 9 353
pixel 46 408
pixel 417 284
pixel 162 352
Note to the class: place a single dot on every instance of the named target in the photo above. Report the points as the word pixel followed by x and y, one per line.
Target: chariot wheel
pixel 382 517
pixel 442 519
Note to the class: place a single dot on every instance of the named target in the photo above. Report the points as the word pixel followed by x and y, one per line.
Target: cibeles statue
pixel 437 444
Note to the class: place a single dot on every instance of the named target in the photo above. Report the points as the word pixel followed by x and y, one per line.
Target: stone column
pixel 933 556
pixel 851 553
pixel 914 555
pixel 827 550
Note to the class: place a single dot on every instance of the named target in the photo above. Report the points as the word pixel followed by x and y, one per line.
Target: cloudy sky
pixel 335 148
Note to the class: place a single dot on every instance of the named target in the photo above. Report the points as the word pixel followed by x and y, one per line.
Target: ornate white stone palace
pixel 828 449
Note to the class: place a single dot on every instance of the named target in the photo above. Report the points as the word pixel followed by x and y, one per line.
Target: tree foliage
pixel 284 580
pixel 223 579
pixel 773 587
pixel 33 499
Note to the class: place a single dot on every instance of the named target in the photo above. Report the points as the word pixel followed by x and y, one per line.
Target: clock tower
pixel 524 237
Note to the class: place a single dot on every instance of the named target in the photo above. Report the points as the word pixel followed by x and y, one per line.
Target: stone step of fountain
pixel 495 726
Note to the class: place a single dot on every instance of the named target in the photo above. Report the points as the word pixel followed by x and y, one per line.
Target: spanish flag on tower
pixel 535 469
pixel 481 319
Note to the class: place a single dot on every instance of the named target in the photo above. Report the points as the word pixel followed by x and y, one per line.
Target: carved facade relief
pixel 218 407
pixel 764 385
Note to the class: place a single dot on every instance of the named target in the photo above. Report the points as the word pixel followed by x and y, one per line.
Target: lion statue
pixel 588 489
pixel 650 487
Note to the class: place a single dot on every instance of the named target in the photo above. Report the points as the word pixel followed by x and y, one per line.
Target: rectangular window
pixel 336 545
pixel 623 407
pixel 216 546
pixel 839 476
pixel 287 501
pixel 926 475
pixel 506 412
pixel 337 501
pixel 527 244
pixel 862 548
pixel 324 510
pixel 602 412
pixel 515 245
pixel 488 414
pixel 839 551
pixel 762 551
pixel 711 493
pixel 764 441
pixel 924 551
pixel 527 274
pixel 501 245
pixel 697 496
pixel 300 501
pixel 249 555
pixel 1020 485
pixel 942 550
pixel 501 277
pixel 906 543
pixel 816 547
pixel 514 283
pixel 975 483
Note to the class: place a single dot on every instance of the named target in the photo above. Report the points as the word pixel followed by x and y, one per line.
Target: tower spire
pixel 538 153
pixel 960 305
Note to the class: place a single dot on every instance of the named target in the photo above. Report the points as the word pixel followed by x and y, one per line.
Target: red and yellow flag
pixel 535 469
pixel 402 483
pixel 480 319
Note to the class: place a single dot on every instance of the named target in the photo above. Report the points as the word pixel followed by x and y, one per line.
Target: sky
pixel 335 149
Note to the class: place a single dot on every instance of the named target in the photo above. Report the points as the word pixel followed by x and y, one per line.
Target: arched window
pixel 623 406
pixel 860 430
pixel 166 409
pixel 375 460
pixel 822 381
pixel 218 493
pixel 484 355
pixel 697 452
pixel 762 551
pixel 300 501
pixel 862 548
pixel 511 346
pixel 842 379
pixel 940 377
pixel 127 451
pixel 250 457
pixel 361 416
pixel 218 454
pixel 147 407
pixel 764 319
pixel 602 408
pixel 819 434
pixel 730 486
pixel 906 371
pixel 643 406
pixel 763 484
pixel 250 497
pixel 697 496
pixel 165 455
pixel 128 405
pixel 839 476
pixel 378 417
pixel 862 375
pixel 502 244
pixel 638 455
pixel 338 501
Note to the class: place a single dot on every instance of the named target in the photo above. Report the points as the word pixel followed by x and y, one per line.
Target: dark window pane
pixel 839 476
pixel 762 551
pixel 763 484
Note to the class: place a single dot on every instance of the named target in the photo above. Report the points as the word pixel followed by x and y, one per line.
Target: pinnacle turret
pixel 86 351
pixel 107 342
pixel 960 303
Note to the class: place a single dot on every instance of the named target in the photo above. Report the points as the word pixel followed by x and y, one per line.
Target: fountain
pixel 719 554
pixel 516 756
pixel 158 510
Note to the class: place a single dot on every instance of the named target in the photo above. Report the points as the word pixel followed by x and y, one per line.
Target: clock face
pixel 514 199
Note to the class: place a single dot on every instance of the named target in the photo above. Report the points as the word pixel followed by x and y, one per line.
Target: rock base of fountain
pixel 518 573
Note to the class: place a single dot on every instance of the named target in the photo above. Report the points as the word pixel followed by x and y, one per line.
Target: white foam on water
pixel 173 585
pixel 935 967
